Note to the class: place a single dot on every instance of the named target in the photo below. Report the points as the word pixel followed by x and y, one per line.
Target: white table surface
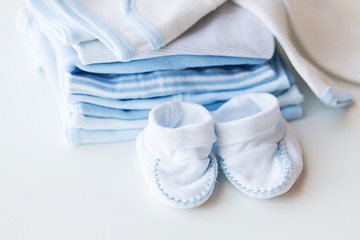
pixel 50 190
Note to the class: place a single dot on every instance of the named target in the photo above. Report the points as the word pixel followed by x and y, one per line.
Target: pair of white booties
pixel 257 150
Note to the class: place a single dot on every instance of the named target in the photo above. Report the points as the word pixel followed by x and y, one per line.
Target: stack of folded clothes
pixel 110 62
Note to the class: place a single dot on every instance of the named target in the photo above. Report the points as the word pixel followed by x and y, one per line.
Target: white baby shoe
pixel 174 151
pixel 258 151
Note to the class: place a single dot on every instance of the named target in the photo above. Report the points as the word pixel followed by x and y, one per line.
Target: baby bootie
pixel 174 151
pixel 258 151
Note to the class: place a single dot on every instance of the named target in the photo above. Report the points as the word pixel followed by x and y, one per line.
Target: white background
pixel 50 190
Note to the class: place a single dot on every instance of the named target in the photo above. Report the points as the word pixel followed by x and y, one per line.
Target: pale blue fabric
pixel 288 98
pixel 292 112
pixel 335 98
pixel 92 110
pixel 78 136
pixel 99 112
pixel 68 32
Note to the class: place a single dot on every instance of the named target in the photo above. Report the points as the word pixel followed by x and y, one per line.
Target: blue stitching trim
pixel 198 198
pixel 335 99
pixel 64 31
pixel 118 42
pixel 288 169
pixel 144 26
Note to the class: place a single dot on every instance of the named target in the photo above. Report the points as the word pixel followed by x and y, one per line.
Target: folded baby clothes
pixel 287 97
pixel 79 136
pixel 84 19
pixel 211 36
pixel 86 122
pixel 139 108
pixel 106 118
pixel 127 28
pixel 278 18
pixel 258 150
pixel 274 70
pixel 61 61
pixel 69 61
pixel 107 107
pixel 174 152
pixel 110 101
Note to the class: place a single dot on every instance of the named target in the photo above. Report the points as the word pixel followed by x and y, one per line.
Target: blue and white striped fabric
pixel 171 82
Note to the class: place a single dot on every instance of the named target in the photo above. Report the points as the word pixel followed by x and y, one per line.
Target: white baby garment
pixel 228 31
pixel 130 28
pixel 287 30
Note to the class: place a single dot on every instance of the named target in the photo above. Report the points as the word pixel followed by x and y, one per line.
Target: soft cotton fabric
pixel 69 60
pixel 174 152
pixel 127 28
pixel 279 20
pixel 212 36
pixel 333 42
pixel 258 151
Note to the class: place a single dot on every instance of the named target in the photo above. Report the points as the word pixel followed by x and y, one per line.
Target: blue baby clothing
pixel 110 101
pixel 139 108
